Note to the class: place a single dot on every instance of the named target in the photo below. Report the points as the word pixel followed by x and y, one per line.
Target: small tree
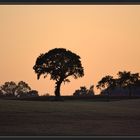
pixel 8 88
pixel 83 91
pixel 22 89
pixel 90 92
pixel 108 83
pixel 76 93
pixel 60 64
pixel 80 92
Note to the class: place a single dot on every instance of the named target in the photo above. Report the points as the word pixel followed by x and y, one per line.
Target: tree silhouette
pixel 107 82
pixel 80 92
pixel 83 91
pixel 60 64
pixel 8 88
pixel 22 88
pixel 128 80
pixel 90 92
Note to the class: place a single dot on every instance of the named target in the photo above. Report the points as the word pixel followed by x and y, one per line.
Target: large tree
pixel 60 64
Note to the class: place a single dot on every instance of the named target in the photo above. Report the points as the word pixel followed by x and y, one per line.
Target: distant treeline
pixel 126 84
pixel 21 89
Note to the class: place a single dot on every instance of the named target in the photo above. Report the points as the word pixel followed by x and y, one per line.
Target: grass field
pixel 69 118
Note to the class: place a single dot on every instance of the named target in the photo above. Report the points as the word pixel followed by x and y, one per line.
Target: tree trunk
pixel 57 90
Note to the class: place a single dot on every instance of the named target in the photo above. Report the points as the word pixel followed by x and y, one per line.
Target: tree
pixel 107 82
pixel 22 89
pixel 8 89
pixel 90 92
pixel 80 92
pixel 83 91
pixel 128 80
pixel 77 92
pixel 60 64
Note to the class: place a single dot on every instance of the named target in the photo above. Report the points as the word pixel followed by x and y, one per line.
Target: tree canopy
pixel 127 78
pixel 59 63
pixel 9 88
pixel 105 82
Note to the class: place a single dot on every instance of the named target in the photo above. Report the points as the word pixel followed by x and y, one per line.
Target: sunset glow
pixel 106 37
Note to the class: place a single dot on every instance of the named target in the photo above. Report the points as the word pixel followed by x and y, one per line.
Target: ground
pixel 69 118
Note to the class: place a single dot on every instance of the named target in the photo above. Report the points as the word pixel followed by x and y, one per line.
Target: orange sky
pixel 107 37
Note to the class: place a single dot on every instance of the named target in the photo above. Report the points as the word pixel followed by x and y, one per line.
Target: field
pixel 69 118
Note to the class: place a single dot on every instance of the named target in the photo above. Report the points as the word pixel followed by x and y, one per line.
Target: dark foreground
pixel 69 118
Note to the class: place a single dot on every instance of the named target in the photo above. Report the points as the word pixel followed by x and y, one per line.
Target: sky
pixel 106 37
